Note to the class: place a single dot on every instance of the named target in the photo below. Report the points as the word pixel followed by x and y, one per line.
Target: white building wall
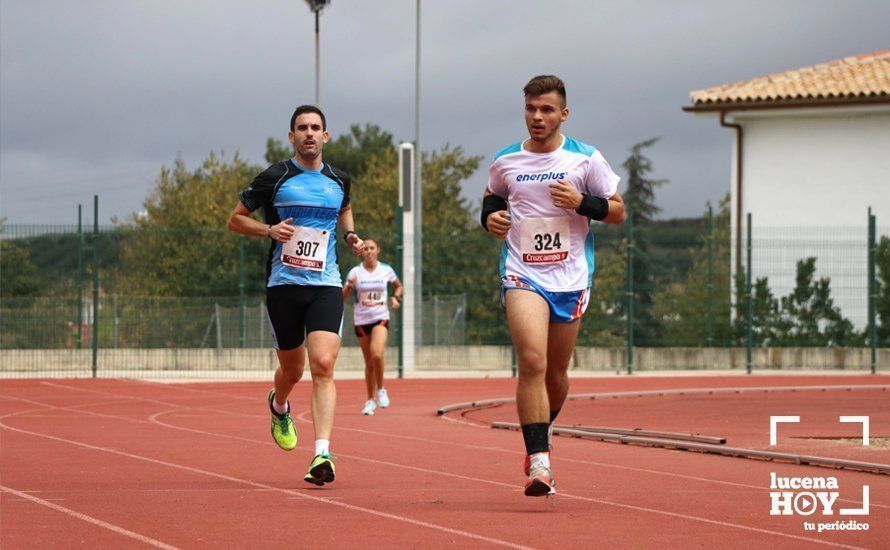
pixel 816 168
pixel 809 177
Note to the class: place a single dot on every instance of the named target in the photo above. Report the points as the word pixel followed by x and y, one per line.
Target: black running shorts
pixel 295 311
pixel 365 330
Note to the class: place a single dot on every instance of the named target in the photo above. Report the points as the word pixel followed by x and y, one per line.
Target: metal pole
pixel 630 294
pixel 749 335
pixel 95 284
pixel 418 195
pixel 399 264
pixel 218 326
pixel 79 276
pixel 409 257
pixel 262 324
pixel 317 63
pixel 115 317
pixel 241 291
pixel 872 287
pixel 436 320
pixel 710 277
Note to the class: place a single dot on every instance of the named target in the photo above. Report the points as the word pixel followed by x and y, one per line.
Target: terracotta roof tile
pixel 856 77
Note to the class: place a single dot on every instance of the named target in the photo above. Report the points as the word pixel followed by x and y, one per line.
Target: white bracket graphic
pixel 862 420
pixel 773 420
pixel 858 511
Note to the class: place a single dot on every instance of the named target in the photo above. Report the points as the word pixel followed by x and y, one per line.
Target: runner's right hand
pixel 356 244
pixel 499 223
pixel 282 231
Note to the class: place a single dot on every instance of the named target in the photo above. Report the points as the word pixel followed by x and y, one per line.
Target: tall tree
pixel 18 275
pixel 602 325
pixel 639 198
pixel 350 152
pixel 809 315
pixel 458 257
pixel 683 306
pixel 182 234
pixel 639 195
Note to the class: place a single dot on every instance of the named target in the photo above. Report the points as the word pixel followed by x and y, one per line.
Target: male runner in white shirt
pixel 542 193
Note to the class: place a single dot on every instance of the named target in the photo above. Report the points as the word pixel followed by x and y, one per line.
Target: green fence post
pixel 95 284
pixel 79 276
pixel 750 313
pixel 710 321
pixel 872 287
pixel 630 293
pixel 241 291
pixel 400 246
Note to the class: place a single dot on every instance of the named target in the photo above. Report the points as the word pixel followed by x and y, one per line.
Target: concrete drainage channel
pixel 685 442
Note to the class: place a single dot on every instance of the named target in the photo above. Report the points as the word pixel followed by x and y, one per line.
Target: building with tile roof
pixel 811 155
pixel 858 80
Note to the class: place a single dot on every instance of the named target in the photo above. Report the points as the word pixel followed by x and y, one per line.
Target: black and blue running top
pixel 314 199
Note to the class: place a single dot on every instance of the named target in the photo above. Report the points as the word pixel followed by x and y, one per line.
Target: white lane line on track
pixel 289 492
pixel 511 486
pixel 563 458
pixel 88 519
pixel 302 418
pixel 153 419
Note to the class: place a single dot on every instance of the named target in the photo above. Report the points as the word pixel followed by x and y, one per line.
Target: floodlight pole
pixel 316 6
pixel 95 333
pixel 317 62
pixel 418 183
pixel 409 254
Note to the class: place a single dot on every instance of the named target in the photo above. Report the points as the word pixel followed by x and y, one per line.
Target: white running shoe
pixel 370 405
pixel 382 398
pixel 540 482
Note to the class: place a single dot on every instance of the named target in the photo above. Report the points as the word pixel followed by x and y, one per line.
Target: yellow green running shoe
pixel 321 470
pixel 283 430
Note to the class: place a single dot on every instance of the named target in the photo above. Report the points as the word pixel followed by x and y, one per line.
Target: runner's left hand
pixel 356 244
pixel 394 303
pixel 564 195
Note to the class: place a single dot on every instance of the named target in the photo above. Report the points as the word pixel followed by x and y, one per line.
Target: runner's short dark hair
pixel 302 109
pixel 543 84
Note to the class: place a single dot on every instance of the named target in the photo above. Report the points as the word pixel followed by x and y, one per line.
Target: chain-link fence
pixel 668 295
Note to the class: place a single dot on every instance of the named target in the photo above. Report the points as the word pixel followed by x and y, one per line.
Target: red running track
pixel 117 463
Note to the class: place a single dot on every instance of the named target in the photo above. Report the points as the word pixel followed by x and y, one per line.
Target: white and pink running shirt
pixel 371 292
pixel 549 246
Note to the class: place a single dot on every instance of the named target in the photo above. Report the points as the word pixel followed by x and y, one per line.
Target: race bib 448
pixel 371 298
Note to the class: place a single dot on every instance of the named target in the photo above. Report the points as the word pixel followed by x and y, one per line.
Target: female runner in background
pixel 370 281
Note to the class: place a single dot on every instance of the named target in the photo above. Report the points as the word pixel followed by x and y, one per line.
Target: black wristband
pixel 490 205
pixel 346 236
pixel 398 298
pixel 595 208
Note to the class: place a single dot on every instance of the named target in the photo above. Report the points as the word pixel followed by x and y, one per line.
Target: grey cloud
pixel 103 88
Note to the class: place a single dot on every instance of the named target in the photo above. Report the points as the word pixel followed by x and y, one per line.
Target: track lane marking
pixel 89 519
pixel 256 484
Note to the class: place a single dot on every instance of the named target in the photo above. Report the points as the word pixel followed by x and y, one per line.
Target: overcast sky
pixel 96 96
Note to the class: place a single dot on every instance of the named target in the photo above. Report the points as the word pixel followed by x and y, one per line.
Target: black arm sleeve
pixel 595 208
pixel 490 205
pixel 262 188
